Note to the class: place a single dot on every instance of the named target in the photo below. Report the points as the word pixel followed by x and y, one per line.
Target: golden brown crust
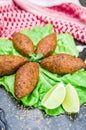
pixel 47 45
pixel 26 79
pixel 22 44
pixel 10 63
pixel 62 63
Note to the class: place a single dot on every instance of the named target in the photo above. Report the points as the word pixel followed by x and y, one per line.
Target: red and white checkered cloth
pixel 66 17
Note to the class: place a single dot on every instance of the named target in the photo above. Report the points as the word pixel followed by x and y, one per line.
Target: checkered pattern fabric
pixel 65 18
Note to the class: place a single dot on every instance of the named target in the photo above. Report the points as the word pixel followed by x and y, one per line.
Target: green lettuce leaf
pixel 77 79
pixel 65 44
pixel 8 83
pixel 6 47
pixel 37 33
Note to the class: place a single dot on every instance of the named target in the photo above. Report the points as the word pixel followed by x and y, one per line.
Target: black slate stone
pixel 19 117
pixel 83 2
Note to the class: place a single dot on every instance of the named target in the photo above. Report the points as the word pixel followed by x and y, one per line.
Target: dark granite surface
pixel 17 117
pixel 83 2
pixel 23 118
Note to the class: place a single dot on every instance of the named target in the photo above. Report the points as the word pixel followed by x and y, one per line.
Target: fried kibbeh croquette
pixel 26 79
pixel 47 45
pixel 10 63
pixel 62 64
pixel 23 44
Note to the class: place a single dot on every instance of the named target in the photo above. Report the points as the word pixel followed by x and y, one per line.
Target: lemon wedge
pixel 54 97
pixel 71 102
